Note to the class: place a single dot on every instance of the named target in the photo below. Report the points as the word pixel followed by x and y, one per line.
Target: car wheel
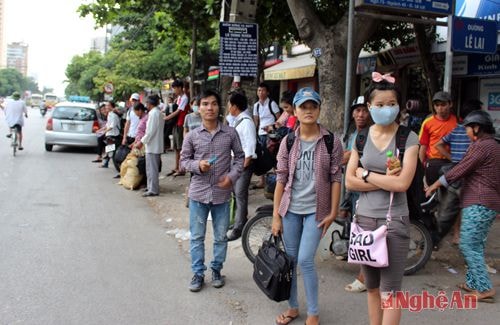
pixel 48 147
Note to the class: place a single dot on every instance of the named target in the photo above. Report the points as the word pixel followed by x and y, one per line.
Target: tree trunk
pixel 430 70
pixel 192 69
pixel 332 63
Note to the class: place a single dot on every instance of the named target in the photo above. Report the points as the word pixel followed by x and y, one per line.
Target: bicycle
pixel 258 229
pixel 14 135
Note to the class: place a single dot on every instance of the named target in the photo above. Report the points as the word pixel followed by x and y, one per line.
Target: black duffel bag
pixel 120 155
pixel 272 270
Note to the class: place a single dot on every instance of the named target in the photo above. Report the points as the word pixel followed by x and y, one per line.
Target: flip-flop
pixel 173 171
pixel 287 319
pixel 489 299
pixel 464 287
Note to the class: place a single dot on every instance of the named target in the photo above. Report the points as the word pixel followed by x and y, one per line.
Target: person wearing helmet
pixel 458 142
pixel 15 111
pixel 480 200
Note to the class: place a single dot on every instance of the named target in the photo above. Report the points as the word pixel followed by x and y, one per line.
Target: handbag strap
pixel 389 218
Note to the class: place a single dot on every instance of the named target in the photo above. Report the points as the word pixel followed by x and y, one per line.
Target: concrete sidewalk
pixel 172 214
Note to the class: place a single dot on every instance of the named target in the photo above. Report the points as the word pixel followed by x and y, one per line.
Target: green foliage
pixel 12 80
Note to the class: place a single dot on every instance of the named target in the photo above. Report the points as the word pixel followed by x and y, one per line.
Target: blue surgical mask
pixel 384 115
pixel 195 108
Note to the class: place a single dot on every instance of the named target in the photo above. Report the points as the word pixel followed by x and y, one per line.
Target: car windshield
pixel 74 113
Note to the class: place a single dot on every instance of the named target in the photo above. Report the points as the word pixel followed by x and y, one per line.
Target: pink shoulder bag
pixel 369 247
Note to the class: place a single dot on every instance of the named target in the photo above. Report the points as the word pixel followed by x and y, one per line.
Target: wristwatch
pixel 365 174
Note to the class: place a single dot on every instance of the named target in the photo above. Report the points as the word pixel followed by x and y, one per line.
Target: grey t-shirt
pixel 375 204
pixel 303 199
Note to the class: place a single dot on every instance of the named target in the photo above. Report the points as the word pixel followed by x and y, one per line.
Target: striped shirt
pixel 327 169
pixel 480 170
pixel 200 144
pixel 458 141
pixel 433 129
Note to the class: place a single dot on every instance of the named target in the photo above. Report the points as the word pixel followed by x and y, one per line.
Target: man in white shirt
pixel 153 140
pixel 178 130
pixel 15 112
pixel 245 128
pixel 132 121
pixel 111 129
pixel 265 113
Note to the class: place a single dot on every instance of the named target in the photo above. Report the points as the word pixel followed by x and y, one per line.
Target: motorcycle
pixel 43 110
pixel 258 228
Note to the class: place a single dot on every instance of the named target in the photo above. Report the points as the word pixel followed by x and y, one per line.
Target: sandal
pixel 355 286
pixel 464 287
pixel 173 171
pixel 488 299
pixel 178 174
pixel 284 319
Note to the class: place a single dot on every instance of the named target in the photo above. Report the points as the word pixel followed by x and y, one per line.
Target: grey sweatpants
pixel 153 172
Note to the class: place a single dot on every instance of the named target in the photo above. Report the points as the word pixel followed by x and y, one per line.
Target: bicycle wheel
pixel 256 230
pixel 420 248
pixel 14 143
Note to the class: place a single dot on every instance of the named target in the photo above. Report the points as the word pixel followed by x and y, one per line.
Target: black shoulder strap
pixel 361 141
pixel 328 138
pixel 270 107
pixel 401 138
pixel 289 141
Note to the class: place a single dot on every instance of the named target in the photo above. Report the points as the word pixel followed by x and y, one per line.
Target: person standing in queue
pixel 306 198
pixel 206 154
pixel 376 184
pixel 153 140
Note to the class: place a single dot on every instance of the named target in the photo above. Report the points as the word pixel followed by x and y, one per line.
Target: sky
pixel 54 32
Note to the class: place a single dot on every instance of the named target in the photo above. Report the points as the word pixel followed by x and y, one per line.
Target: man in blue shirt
pixel 458 142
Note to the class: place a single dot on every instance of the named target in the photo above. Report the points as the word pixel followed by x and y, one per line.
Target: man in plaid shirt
pixel 206 153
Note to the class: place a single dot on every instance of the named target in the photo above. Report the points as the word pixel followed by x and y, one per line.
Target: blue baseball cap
pixel 305 94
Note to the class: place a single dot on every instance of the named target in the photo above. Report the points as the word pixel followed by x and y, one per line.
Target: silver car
pixel 72 124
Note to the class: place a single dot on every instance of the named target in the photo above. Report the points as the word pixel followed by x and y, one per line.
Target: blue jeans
pixel 198 214
pixel 301 236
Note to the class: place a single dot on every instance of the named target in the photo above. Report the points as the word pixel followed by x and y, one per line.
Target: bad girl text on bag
pixel 427 301
pixel 361 239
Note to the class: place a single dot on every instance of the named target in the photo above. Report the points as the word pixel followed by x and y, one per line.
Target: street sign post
pixel 430 8
pixel 238 49
pixel 474 35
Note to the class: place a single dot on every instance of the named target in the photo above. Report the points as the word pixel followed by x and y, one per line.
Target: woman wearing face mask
pixel 193 120
pixel 375 182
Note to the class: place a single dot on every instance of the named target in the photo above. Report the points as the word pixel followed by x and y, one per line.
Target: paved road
pixel 75 248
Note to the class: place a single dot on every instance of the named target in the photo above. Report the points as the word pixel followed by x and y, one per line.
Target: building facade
pixel 2 34
pixel 17 57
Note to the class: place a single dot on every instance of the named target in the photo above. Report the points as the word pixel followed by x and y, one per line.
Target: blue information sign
pixel 238 49
pixel 423 7
pixel 474 35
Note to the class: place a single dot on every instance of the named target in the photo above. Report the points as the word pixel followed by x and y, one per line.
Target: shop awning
pixel 302 66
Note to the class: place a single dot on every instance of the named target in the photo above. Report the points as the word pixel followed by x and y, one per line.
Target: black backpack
pixel 415 193
pixel 265 161
pixel 328 138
